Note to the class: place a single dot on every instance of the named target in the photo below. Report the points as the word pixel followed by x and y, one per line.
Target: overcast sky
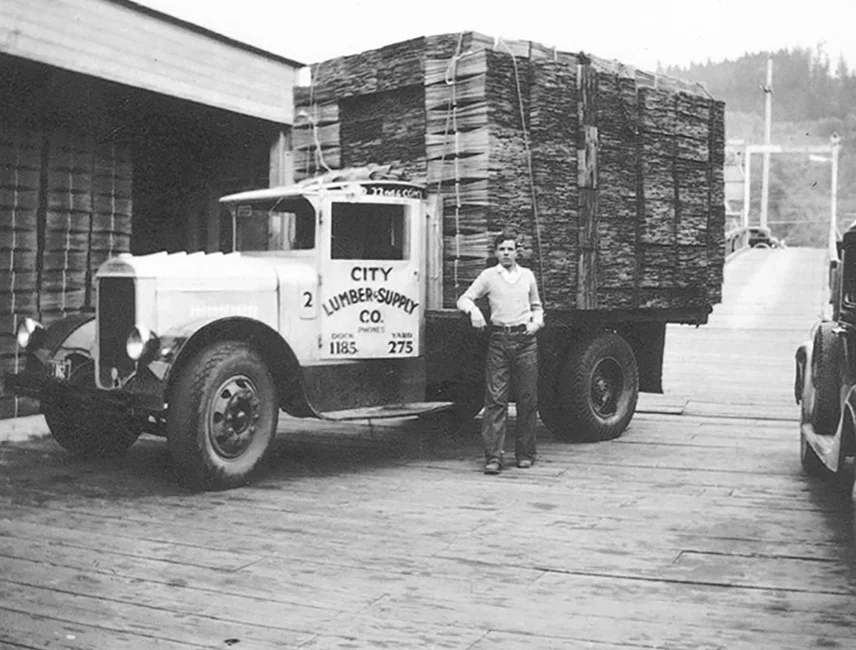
pixel 636 32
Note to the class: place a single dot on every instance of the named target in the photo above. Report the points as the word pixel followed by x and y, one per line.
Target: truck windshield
pixel 369 231
pixel 270 226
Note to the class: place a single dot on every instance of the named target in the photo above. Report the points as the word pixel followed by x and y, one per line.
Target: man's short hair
pixel 505 235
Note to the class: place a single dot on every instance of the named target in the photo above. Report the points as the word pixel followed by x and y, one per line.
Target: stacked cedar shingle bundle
pixel 65 207
pixel 88 220
pixel 20 156
pixel 613 176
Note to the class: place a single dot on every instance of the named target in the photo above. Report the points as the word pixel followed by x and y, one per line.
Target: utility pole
pixel 768 129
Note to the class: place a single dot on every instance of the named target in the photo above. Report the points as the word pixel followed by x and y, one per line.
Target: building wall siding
pixel 116 42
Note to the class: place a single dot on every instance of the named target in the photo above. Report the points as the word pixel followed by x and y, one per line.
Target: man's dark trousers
pixel 511 357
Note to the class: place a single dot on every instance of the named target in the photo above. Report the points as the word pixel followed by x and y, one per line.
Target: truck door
pixel 371 290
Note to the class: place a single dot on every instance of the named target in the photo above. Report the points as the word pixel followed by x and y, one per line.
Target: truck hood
pixel 200 271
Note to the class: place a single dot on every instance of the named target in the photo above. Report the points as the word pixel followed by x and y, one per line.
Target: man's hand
pixel 531 327
pixel 477 319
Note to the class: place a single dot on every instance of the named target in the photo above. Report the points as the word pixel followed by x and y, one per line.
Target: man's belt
pixel 508 329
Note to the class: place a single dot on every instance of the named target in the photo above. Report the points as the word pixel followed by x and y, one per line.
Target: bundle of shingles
pixel 88 219
pixel 614 177
pixel 20 155
pixel 65 207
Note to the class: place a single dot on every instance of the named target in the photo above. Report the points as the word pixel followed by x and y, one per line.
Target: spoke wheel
pixel 606 384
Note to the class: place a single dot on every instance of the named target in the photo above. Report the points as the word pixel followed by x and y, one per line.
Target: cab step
pixel 386 411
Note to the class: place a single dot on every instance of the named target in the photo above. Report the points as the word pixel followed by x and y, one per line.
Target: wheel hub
pixel 235 413
pixel 606 383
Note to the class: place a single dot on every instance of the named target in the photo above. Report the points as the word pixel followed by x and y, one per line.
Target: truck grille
pixel 116 317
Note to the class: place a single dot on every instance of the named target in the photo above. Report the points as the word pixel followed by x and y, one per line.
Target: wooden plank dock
pixel 696 529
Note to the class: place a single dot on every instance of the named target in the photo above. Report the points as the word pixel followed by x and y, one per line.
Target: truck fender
pixel 184 341
pixel 73 335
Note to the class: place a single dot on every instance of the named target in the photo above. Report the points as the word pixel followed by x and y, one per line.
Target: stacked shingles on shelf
pixel 112 178
pixel 68 221
pixel 490 125
pixel 88 220
pixel 20 156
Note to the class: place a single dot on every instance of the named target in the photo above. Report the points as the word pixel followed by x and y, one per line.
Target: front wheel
pixel 597 390
pixel 80 424
pixel 222 417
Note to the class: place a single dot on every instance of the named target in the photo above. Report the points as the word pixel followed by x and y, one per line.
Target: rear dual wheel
pixel 595 390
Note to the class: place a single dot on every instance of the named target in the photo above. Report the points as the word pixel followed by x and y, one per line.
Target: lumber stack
pixel 20 160
pixel 613 176
pixel 65 208
pixel 88 220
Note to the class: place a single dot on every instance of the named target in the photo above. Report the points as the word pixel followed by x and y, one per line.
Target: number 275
pixel 400 347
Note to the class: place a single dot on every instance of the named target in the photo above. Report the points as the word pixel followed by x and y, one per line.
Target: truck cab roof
pixel 373 181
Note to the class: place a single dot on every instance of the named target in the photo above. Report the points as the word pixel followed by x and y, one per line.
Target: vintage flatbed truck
pixel 327 307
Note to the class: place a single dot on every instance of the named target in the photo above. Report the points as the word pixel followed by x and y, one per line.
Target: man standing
pixel 512 355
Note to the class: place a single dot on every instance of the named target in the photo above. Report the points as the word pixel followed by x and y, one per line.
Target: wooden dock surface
pixel 696 529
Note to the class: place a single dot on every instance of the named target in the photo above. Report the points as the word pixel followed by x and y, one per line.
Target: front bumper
pixel 37 383
pixel 25 384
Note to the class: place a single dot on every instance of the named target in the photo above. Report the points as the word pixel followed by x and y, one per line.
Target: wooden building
pixel 119 129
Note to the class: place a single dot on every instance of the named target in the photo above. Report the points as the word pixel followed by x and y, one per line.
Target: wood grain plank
pixel 150 622
pixel 27 630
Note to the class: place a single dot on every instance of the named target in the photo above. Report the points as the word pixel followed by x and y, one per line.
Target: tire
pixel 550 356
pixel 550 414
pixel 222 417
pixel 597 390
pixel 826 351
pixel 84 427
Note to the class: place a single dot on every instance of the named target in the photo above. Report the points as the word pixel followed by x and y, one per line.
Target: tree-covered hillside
pixel 812 99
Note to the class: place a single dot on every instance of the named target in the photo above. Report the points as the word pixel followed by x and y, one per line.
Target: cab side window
pixel 369 232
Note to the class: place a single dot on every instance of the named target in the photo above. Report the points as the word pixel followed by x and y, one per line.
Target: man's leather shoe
pixel 492 467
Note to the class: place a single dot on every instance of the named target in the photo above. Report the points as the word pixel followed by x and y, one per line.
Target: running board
pixel 386 411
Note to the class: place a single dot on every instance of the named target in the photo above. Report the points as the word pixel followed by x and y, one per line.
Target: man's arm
pixel 535 305
pixel 466 303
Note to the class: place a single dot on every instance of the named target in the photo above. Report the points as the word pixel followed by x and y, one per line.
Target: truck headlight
pixel 142 343
pixel 30 332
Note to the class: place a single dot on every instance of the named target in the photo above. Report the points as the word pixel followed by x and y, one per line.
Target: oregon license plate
pixel 59 369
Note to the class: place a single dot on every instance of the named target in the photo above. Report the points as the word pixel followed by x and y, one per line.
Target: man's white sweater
pixel 512 295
